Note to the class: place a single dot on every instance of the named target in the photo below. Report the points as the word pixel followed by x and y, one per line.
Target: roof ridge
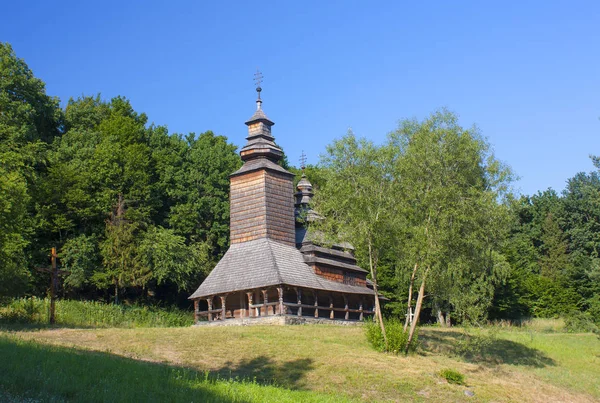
pixel 274 260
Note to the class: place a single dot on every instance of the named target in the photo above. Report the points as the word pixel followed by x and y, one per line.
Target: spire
pixel 261 144
pixel 258 77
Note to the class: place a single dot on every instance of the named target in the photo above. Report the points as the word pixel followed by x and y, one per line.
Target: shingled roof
pixel 264 263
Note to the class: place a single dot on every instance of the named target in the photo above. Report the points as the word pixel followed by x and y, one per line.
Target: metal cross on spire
pixel 303 161
pixel 258 78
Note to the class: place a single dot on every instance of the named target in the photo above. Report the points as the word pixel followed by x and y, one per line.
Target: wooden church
pixel 274 269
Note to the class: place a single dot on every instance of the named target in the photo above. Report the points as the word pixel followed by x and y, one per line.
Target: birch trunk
pixel 413 325
pixel 410 292
pixel 440 317
pixel 377 305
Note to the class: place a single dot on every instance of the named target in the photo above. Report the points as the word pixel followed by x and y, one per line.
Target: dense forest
pixel 142 215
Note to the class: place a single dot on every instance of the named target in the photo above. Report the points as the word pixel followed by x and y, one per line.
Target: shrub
pixel 580 322
pixel 397 338
pixel 23 310
pixel 452 376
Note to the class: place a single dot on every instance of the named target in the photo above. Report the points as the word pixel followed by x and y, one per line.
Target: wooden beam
pixel 316 304
pixel 267 304
pixel 196 312
pixel 325 308
pixel 205 313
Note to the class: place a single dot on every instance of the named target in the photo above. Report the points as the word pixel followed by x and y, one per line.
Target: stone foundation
pixel 278 320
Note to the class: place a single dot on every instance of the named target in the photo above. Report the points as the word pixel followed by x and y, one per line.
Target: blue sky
pixel 527 73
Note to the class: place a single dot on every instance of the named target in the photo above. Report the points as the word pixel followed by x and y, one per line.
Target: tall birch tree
pixel 356 200
pixel 450 186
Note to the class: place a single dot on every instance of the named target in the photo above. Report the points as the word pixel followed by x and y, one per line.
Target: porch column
pixel 250 296
pixel 265 301
pixel 223 298
pixel 347 316
pixel 242 306
pixel 360 308
pixel 280 294
pixel 299 294
pixel 196 313
pixel 374 309
pixel 210 307
pixel 316 304
pixel 331 314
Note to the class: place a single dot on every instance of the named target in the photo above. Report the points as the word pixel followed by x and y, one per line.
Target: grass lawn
pixel 294 363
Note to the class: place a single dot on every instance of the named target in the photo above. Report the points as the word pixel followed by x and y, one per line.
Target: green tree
pixel 80 258
pixel 554 262
pixel 120 256
pixel 194 178
pixel 103 160
pixel 166 256
pixel 28 120
pixel 449 185
pixel 357 198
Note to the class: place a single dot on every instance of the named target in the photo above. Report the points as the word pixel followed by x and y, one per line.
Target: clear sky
pixel 526 72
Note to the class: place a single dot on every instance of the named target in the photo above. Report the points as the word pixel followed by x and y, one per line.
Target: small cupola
pixel 261 144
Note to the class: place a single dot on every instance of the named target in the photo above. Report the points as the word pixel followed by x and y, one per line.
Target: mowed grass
pixel 296 363
pixel 38 372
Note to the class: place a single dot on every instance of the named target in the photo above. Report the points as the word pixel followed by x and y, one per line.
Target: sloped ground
pixel 336 362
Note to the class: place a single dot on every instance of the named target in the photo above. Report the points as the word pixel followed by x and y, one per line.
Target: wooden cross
pixel 302 160
pixel 258 78
pixel 54 273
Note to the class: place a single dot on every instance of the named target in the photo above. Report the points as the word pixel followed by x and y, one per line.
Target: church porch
pixel 283 301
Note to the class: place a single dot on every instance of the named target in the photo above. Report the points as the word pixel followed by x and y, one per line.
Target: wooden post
pixel 223 298
pixel 196 313
pixel 316 304
pixel 360 308
pixel 210 307
pixel 250 296
pixel 54 273
pixel 265 301
pixel 374 309
pixel 331 313
pixel 347 316
pixel 53 281
pixel 299 292
pixel 242 305
pixel 280 295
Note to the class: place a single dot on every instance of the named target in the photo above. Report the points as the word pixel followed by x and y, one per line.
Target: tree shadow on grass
pixel 480 349
pixel 34 327
pixel 264 370
pixel 53 373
